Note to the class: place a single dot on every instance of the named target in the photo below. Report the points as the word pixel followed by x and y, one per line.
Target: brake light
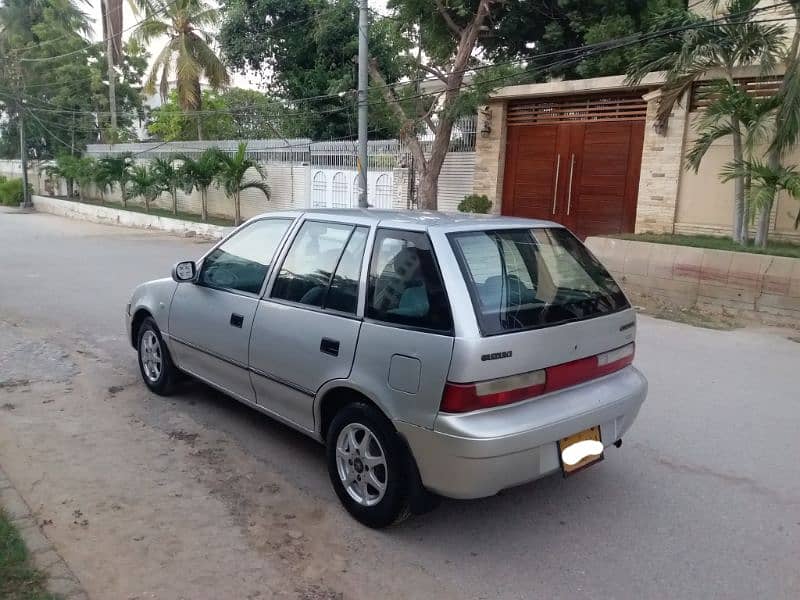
pixel 466 397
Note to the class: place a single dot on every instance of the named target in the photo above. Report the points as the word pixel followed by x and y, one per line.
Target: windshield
pixel 530 278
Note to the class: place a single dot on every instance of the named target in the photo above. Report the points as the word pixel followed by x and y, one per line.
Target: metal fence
pixel 383 154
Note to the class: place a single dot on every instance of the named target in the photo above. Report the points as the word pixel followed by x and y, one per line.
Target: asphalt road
pixel 701 501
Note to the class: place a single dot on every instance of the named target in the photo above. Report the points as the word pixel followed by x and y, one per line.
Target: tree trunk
pixel 428 191
pixel 237 201
pixel 124 195
pixel 174 193
pixel 762 233
pixel 204 204
pixel 147 204
pixel 738 183
pixel 745 236
pixel 199 129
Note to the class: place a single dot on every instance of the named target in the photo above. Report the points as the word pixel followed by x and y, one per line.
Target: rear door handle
pixel 329 346
pixel 237 320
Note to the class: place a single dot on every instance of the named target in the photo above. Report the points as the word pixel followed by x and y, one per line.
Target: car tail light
pixel 466 397
pixel 460 397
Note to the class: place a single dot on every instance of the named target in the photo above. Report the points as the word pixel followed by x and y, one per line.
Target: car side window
pixel 405 286
pixel 241 263
pixel 322 266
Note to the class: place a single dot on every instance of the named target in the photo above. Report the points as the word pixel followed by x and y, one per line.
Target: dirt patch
pixel 8 406
pixel 694 316
pixel 794 339
pixel 10 384
pixel 114 390
pixel 189 438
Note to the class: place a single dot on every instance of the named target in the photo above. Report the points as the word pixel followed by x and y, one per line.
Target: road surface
pixel 198 497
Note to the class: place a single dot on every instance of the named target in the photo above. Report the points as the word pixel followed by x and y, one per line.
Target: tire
pixel 383 460
pixel 155 364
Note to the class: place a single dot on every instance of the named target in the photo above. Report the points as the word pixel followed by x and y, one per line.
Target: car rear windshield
pixel 531 278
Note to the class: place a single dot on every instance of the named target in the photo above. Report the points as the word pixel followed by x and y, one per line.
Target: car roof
pixel 419 219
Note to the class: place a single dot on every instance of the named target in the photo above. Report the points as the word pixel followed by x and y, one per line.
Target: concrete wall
pixel 125 218
pixel 766 288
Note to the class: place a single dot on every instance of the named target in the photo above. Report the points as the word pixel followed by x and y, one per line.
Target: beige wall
pixel 705 204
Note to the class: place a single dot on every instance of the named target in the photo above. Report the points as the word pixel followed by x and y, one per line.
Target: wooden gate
pixel 576 160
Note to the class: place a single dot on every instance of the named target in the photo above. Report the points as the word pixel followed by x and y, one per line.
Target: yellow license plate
pixel 580 450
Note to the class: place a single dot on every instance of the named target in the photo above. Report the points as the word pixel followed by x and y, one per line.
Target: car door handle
pixel 237 320
pixel 329 346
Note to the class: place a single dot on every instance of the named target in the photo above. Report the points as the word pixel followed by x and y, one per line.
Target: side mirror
pixel 184 271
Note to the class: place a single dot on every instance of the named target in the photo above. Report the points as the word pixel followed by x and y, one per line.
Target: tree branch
pixel 430 70
pixel 451 24
pixel 407 132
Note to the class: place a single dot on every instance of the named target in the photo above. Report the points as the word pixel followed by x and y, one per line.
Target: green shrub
pixel 11 191
pixel 475 204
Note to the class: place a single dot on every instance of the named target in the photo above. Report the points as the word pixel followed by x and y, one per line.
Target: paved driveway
pixel 198 497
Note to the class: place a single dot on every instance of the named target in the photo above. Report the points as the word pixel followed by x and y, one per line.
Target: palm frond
pixel 258 185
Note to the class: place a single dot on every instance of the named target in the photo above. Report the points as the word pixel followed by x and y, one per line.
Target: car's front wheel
pixel 367 465
pixel 155 364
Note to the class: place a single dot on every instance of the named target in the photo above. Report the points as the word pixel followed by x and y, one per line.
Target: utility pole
pixel 363 85
pixel 23 146
pixel 112 75
pixel 23 156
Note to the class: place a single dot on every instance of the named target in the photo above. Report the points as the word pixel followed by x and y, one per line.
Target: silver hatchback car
pixel 433 354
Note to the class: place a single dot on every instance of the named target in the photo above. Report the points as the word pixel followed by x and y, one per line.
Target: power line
pixel 581 53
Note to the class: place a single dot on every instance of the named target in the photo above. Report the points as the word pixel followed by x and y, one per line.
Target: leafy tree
pixel 167 176
pixel 309 48
pixel 231 177
pixel 188 52
pixel 233 114
pixel 723 45
pixel 169 122
pixel 66 97
pixel 145 183
pixel 199 173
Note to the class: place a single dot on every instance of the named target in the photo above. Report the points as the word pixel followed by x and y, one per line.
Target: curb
pixel 60 578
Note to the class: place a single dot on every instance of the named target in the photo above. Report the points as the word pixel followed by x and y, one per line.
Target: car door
pixel 210 319
pixel 406 341
pixel 305 330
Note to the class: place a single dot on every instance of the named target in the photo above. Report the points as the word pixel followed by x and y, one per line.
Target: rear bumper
pixel 478 454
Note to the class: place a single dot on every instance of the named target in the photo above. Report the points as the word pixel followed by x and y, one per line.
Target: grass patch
pixel 18 579
pixel 716 243
pixel 159 212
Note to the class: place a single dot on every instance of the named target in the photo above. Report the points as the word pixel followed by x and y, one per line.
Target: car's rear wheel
pixel 155 364
pixel 367 464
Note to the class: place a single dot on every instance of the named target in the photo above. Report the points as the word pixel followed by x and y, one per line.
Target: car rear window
pixel 532 278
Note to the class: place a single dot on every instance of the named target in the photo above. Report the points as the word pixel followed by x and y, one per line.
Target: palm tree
pixel 187 53
pixel 788 116
pixel 67 168
pixel 168 178
pixel 725 44
pixel 102 180
pixel 231 177
pixel 727 104
pixel 143 182
pixel 766 182
pixel 84 172
pixel 199 174
pixel 118 168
